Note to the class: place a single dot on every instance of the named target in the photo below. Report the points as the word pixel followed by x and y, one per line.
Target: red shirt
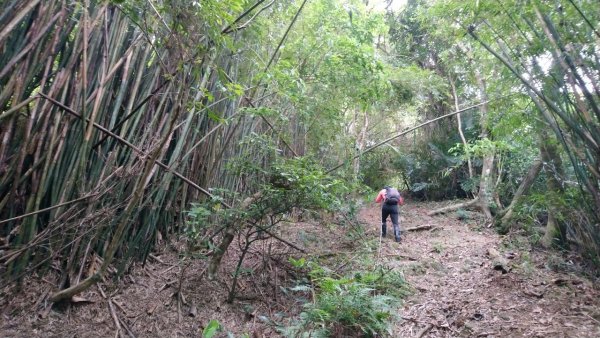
pixel 381 197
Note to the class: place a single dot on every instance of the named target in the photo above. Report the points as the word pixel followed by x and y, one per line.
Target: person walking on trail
pixel 391 199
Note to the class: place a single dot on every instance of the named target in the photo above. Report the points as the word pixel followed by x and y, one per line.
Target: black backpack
pixel 392 196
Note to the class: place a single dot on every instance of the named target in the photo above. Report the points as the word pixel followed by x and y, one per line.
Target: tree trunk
pixel 527 182
pixel 485 194
pixel 460 131
pixel 485 185
pixel 215 261
pixel 499 173
pixel 230 231
pixel 556 231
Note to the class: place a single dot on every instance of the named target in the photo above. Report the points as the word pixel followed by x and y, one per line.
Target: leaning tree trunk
pixel 532 174
pixel 556 231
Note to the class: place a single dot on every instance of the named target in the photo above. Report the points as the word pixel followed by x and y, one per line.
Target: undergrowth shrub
pixel 359 305
pixel 289 184
pixel 436 174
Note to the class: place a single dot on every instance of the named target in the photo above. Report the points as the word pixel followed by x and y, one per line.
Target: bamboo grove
pixel 109 127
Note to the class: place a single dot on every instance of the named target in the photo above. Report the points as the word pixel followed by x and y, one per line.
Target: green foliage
pixel 298 263
pixel 362 303
pixel 461 214
pixel 211 329
pixel 196 225
pixel 377 169
pixel 415 83
pixel 475 151
pixel 330 70
pixel 305 183
pixel 435 170
pixel 284 185
pixel 479 148
pixel 433 174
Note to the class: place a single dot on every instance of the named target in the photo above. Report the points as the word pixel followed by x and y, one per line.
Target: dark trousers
pixel 392 212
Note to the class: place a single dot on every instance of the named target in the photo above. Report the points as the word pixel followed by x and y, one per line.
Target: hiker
pixel 391 199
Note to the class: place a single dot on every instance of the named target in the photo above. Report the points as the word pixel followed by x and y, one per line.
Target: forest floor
pixel 459 293
pixel 456 292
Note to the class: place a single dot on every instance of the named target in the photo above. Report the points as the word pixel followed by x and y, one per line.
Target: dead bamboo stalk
pixel 17 18
pixel 454 207
pixel 47 209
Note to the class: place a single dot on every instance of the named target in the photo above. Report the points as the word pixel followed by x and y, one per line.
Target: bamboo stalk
pixel 17 18
pixel 137 150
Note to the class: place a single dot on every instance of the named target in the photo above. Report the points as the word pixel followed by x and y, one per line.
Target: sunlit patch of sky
pixel 544 61
pixel 383 5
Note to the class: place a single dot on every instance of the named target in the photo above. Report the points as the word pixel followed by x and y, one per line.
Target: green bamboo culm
pixel 90 102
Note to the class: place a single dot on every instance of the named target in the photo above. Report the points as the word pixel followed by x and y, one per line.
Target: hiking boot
pixel 398 240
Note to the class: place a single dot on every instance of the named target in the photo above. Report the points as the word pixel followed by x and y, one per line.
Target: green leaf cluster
pixel 286 184
pixel 362 303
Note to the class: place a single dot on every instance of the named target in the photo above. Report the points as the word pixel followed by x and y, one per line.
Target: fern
pixel 363 303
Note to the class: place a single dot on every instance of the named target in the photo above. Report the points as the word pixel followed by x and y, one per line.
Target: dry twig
pixel 424 331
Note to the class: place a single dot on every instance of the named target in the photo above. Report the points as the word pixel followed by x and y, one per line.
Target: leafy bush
pixel 297 183
pixel 360 305
pixel 432 173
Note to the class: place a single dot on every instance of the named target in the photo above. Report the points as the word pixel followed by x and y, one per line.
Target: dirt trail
pixel 457 292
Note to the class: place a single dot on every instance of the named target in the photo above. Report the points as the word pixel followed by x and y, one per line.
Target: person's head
pixel 387 187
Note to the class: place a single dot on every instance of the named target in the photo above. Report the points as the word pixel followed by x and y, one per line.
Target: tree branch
pixel 410 130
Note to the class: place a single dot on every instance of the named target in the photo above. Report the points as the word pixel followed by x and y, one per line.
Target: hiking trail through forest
pixel 456 292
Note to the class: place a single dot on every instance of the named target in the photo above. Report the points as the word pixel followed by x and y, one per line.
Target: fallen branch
pixel 453 207
pixel 180 297
pixel 420 227
pixel 115 318
pixel 113 313
pixel 410 258
pixel 351 259
pixel 280 239
pixel 157 259
pixel 424 331
pixel 131 335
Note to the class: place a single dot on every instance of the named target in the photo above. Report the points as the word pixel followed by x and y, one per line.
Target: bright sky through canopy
pixel 381 5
